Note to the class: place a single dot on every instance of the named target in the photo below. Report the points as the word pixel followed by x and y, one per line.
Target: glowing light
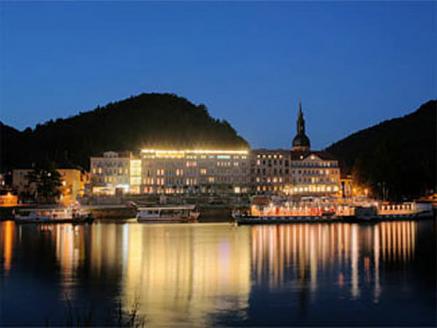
pixel 195 151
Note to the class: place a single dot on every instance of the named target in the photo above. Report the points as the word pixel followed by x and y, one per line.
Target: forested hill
pixel 399 153
pixel 146 120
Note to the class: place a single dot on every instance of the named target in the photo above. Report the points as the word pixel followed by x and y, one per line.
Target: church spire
pixel 300 121
pixel 300 142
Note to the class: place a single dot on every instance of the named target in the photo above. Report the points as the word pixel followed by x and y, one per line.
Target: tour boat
pixel 387 211
pixel 168 214
pixel 291 213
pixel 53 215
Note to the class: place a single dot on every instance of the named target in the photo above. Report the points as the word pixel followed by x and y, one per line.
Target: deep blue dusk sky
pixel 352 64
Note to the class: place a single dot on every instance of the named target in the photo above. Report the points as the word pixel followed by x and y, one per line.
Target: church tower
pixel 300 142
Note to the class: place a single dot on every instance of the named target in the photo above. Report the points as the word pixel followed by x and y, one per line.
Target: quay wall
pixel 207 213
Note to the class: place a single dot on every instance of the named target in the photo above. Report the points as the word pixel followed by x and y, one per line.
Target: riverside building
pixel 73 181
pixel 298 171
pixel 114 173
pixel 194 171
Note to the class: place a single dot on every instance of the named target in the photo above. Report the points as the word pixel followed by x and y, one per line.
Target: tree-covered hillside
pixel 146 120
pixel 398 154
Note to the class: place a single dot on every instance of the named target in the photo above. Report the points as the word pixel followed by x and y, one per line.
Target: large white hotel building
pixel 297 171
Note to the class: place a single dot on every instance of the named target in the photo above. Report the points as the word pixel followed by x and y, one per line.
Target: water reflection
pixel 7 235
pixel 197 274
pixel 303 252
pixel 181 274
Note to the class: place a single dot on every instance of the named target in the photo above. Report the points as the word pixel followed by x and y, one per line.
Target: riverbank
pixel 211 213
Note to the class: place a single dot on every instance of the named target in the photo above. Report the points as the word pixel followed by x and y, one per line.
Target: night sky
pixel 352 64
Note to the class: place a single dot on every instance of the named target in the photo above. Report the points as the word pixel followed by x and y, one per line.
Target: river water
pixel 218 274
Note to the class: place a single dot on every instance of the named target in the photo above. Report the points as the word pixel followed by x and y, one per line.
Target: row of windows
pixel 114 171
pixel 286 163
pixel 196 157
pixel 296 180
pixel 106 163
pixel 185 189
pixel 194 172
pixel 110 179
pixel 294 172
pixel 315 164
pixel 299 189
pixel 270 162
pixel 269 156
pixel 191 181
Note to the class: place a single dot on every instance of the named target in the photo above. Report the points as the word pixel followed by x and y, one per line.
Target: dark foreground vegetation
pixel 75 316
pixel 146 120
pixel 397 157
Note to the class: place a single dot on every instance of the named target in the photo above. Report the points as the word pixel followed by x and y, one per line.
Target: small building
pixel 73 181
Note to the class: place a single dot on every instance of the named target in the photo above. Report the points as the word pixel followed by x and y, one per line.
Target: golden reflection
pixel 282 253
pixel 186 271
pixel 7 238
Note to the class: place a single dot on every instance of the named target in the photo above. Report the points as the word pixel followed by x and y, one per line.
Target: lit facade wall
pixel 73 184
pixel 194 171
pixel 294 173
pixel 314 175
pixel 111 172
pixel 270 170
pixel 135 176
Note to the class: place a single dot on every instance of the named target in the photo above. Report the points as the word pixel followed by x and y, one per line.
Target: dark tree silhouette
pixel 47 182
pixel 397 156
pixel 146 120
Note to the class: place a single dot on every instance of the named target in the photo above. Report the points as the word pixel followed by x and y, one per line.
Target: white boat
pixel 168 214
pixel 387 211
pixel 53 215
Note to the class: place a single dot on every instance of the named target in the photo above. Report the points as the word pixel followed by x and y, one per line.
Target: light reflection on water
pixel 309 250
pixel 214 273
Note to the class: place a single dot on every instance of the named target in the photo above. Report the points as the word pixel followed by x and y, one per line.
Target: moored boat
pixel 389 211
pixel 168 214
pixel 291 213
pixel 53 215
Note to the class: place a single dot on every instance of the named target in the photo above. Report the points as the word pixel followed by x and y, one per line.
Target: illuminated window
pixel 203 171
pixel 191 164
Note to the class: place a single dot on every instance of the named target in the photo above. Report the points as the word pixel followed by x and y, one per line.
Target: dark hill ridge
pixel 401 153
pixel 146 120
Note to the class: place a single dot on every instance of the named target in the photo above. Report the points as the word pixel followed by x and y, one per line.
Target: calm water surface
pixel 218 274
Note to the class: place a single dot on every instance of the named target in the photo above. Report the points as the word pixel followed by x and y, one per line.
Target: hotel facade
pixel 158 171
pixel 298 171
